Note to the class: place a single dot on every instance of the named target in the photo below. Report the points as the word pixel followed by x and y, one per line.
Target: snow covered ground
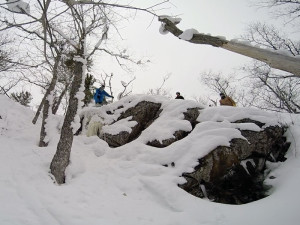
pixel 128 185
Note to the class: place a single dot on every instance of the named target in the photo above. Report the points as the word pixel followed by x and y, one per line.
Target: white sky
pixel 185 61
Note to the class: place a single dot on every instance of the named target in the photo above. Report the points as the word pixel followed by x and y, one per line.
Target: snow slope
pixel 128 185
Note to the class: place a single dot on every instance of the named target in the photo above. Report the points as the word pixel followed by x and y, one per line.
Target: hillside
pixel 128 184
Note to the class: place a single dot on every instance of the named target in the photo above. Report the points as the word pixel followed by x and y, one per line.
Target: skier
pixel 99 96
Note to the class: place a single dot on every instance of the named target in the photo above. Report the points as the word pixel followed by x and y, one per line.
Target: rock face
pixel 232 174
pixel 178 135
pixel 235 174
pixel 144 113
pixel 190 115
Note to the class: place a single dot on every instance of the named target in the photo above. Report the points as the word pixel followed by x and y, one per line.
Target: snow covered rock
pixel 144 113
pixel 129 125
pixel 227 147
pixel 190 115
pixel 234 174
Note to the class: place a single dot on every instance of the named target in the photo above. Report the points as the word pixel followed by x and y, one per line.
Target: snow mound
pixel 14 116
pixel 128 185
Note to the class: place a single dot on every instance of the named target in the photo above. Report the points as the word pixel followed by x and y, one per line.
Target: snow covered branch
pixel 274 59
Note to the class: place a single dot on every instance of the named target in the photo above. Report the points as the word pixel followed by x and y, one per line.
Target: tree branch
pixel 272 58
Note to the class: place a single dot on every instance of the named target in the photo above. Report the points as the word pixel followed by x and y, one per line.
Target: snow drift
pixel 128 184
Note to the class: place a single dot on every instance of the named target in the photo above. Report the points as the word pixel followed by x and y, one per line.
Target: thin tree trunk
pixel 46 107
pixel 57 103
pixel 273 59
pixel 61 158
pixel 38 112
pixel 43 19
pixel 4 91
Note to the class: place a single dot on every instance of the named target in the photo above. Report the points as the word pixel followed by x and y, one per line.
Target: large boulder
pixel 232 174
pixel 235 174
pixel 190 115
pixel 144 113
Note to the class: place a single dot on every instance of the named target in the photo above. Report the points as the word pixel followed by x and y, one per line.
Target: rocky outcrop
pixel 232 174
pixel 178 135
pixel 235 174
pixel 191 115
pixel 144 113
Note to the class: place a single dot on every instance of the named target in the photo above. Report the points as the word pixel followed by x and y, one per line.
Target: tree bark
pixel 38 112
pixel 273 59
pixel 61 158
pixel 46 108
pixel 57 103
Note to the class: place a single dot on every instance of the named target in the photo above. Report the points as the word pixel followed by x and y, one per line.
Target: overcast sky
pixel 185 61
pixel 169 55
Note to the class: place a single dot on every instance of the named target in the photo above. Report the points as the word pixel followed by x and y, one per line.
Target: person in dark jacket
pixel 100 94
pixel 178 96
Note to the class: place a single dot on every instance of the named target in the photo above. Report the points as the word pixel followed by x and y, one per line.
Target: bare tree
pixel 219 83
pixel 125 92
pixel 47 105
pixel 4 54
pixel 161 90
pixel 204 100
pixel 270 89
pixel 284 8
pixel 88 17
pixel 83 27
pixel 106 80
pixel 58 99
pixel 10 59
pixel 267 36
pixel 36 26
pixel 9 85
pixel 65 79
pixel 81 20
pixel 8 65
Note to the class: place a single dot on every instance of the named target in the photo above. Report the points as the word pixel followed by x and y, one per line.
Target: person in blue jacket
pixel 100 94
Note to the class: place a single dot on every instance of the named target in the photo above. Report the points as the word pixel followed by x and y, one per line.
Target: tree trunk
pixel 272 58
pixel 37 114
pixel 61 158
pixel 57 103
pixel 47 107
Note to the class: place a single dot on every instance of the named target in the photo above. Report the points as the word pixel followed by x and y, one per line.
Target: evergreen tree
pixel 88 84
pixel 23 97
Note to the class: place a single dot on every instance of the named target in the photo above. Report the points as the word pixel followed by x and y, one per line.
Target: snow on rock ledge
pixel 212 147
